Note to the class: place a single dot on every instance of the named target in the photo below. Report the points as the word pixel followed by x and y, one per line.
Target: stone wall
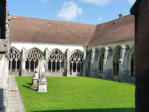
pixel 3 81
pixel 90 61
pixel 141 11
pixel 2 19
pixel 4 30
pixel 4 41
pixel 126 51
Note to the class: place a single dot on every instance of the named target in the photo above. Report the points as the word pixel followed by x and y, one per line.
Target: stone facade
pixel 58 63
pixel 114 61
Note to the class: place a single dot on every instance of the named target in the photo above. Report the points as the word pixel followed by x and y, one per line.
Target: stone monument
pixel 35 76
pixel 42 82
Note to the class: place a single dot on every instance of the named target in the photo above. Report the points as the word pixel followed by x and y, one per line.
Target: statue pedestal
pixel 34 82
pixel 42 86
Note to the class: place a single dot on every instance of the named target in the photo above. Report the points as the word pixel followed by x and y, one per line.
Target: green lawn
pixel 76 94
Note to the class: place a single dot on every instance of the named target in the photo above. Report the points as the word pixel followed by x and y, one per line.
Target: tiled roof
pixel 24 29
pixel 120 29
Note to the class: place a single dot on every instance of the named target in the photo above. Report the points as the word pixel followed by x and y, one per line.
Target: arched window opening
pixel 101 60
pixel 76 62
pixel 89 53
pixel 32 59
pixel 56 61
pixel 132 66
pixel 116 61
pixel 14 60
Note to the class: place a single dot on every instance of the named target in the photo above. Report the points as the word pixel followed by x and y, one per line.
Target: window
pixel 14 60
pixel 101 60
pixel 116 61
pixel 32 59
pixel 56 61
pixel 76 62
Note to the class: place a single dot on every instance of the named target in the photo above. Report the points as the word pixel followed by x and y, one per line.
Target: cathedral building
pixel 73 49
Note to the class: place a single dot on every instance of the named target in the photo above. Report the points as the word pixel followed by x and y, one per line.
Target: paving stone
pixel 15 103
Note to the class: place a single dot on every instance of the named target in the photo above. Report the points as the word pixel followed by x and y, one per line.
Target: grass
pixel 76 94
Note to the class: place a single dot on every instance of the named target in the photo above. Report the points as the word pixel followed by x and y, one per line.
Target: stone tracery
pixel 76 62
pixel 32 59
pixel 56 61
pixel 14 59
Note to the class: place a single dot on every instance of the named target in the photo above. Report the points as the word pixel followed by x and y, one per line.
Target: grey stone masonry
pixel 107 63
pixel 15 103
pixel 124 64
pixel 94 62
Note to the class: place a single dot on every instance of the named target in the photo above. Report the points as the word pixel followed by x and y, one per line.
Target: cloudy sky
pixel 84 11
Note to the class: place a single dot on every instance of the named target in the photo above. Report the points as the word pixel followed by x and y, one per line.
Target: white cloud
pixel 69 11
pixel 44 0
pixel 100 19
pixel 131 1
pixel 97 2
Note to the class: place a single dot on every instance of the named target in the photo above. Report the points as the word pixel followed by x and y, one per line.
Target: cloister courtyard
pixel 56 65
pixel 77 94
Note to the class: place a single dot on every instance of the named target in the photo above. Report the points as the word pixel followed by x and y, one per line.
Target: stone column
pixel 85 66
pixel 108 72
pixel 99 75
pixel 124 64
pixel 67 63
pixel 3 82
pixel 46 58
pixel 91 62
pixel 23 69
pixel 94 63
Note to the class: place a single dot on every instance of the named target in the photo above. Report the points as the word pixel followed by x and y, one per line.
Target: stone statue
pixel 42 82
pixel 35 76
pixel 42 70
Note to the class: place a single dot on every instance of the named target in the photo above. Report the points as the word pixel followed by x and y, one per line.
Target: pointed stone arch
pixel 131 62
pixel 101 59
pixel 76 62
pixel 89 56
pixel 14 58
pixel 32 58
pixel 116 56
pixel 56 61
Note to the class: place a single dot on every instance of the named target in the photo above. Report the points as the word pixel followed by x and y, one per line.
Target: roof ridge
pixel 120 18
pixel 44 19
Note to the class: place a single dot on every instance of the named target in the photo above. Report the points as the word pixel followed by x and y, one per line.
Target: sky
pixel 82 11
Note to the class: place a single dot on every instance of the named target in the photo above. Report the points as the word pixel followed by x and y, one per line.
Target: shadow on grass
pixel 92 110
pixel 29 83
pixel 31 88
